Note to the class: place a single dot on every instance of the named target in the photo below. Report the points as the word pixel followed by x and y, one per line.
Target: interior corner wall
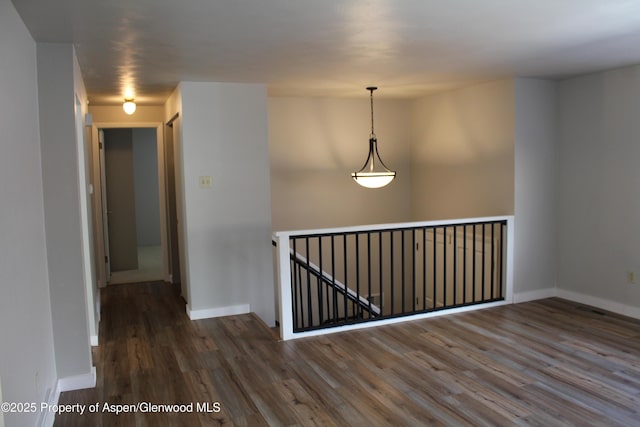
pixel 228 226
pixel 462 153
pixel 598 226
pixel 536 172
pixel 314 146
pixel 27 362
pixel 62 210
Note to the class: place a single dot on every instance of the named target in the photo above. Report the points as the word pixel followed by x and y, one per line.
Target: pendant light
pixel 374 173
pixel 129 106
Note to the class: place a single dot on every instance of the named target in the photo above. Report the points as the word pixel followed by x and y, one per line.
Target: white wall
pixel 535 186
pixel 228 226
pixel 599 178
pixel 27 364
pixel 56 96
pixel 316 143
pixel 462 155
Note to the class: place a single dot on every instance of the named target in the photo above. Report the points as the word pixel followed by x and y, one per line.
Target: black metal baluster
pixel 474 262
pixel 435 266
pixel 301 321
pixel 444 268
pixel 346 279
pixel 464 264
pixel 413 270
pixel 357 275
pixel 502 284
pixel 294 283
pixel 309 302
pixel 493 272
pixel 369 270
pixel 424 268
pixel 402 276
pixel 455 265
pixel 484 261
pixel 393 282
pixel 381 287
pixel 333 278
pixel 320 282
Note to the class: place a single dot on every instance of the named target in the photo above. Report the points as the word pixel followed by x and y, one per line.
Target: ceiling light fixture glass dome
pixel 129 106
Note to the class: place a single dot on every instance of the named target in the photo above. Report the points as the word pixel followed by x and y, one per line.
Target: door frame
pixel 99 230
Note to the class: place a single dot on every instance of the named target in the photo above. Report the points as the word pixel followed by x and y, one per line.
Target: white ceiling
pixel 332 47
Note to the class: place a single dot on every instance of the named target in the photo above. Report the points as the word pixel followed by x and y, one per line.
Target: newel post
pixel 284 285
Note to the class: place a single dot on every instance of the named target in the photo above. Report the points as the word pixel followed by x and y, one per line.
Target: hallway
pixel 149 267
pixel 548 362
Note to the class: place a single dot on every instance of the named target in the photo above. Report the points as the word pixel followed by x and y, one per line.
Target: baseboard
pixel 78 382
pixel 208 313
pixel 519 297
pixel 93 340
pixel 48 417
pixel 615 307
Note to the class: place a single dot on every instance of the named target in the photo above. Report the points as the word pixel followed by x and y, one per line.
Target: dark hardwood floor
pixel 544 363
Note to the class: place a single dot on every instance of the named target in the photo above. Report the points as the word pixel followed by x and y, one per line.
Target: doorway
pixel 132 203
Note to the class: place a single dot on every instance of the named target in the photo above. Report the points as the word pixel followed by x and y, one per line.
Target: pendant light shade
pixel 129 106
pixel 374 173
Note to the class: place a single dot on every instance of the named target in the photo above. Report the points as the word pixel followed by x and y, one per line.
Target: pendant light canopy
pixel 374 173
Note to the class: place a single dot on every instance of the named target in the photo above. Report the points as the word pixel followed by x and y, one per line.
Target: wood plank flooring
pixel 544 363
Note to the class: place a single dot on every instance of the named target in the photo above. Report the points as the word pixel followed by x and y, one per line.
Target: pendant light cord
pixel 371 89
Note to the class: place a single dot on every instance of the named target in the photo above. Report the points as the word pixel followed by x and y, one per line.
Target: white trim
pixel 162 185
pixel 375 227
pixel 208 313
pixel 48 418
pixel 519 297
pixel 94 340
pixel 283 285
pixel 615 307
pixel 391 321
pixel 509 271
pixel 84 200
pixel 78 382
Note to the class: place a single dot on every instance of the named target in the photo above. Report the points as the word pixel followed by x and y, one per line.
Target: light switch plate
pixel 205 182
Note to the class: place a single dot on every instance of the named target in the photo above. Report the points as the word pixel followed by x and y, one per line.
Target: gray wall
pixel 62 210
pixel 462 150
pixel 536 171
pixel 27 364
pixel 315 144
pixel 145 177
pixel 599 178
pixel 482 150
pixel 228 226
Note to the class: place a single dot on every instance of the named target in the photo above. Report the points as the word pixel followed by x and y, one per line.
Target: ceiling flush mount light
pixel 374 173
pixel 129 106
